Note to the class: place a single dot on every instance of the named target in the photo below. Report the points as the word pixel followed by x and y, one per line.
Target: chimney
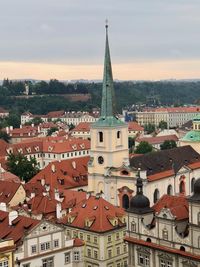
pixel 12 216
pixel 3 206
pixel 32 195
pixel 32 125
pixel 53 168
pixel 42 181
pixel 74 164
pixel 11 128
pixel 20 126
pixel 58 211
pixel 56 194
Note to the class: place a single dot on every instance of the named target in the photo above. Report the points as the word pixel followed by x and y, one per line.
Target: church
pixel 111 171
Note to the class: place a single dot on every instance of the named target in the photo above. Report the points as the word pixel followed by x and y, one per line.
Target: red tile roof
pixel 157 139
pixel 134 126
pixel 19 226
pixel 98 211
pixel 160 175
pixel 65 174
pixel 9 177
pixel 8 190
pixel 178 206
pixel 162 248
pixel 78 242
pixel 55 114
pixel 82 127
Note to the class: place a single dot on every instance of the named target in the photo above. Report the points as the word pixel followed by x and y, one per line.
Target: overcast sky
pixel 149 39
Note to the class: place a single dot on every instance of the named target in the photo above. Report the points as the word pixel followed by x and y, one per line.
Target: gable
pixel 44 228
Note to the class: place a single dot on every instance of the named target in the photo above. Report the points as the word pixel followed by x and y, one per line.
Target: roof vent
pixel 84 205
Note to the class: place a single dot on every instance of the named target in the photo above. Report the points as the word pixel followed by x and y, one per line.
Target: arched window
pixel 118 134
pixel 156 195
pixel 100 137
pixel 182 187
pixel 125 201
pixel 182 248
pixel 192 185
pixel 169 190
pixel 148 240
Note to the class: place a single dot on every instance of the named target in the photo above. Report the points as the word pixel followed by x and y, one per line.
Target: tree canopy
pixel 167 144
pixel 162 125
pixel 143 148
pixel 22 167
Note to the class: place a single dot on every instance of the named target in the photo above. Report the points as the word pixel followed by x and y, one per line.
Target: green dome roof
pixel 192 136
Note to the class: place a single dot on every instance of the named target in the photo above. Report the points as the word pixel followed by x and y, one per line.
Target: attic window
pixel 95 207
pixel 84 205
pixel 106 207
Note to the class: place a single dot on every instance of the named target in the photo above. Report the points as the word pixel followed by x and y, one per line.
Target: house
pixel 166 234
pixel 11 193
pixel 134 129
pixel 82 130
pixel 7 248
pixel 48 149
pixel 3 113
pixel 40 243
pixel 102 227
pixel 65 174
pixel 157 141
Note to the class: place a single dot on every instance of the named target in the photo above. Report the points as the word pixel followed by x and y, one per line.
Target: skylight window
pixel 84 205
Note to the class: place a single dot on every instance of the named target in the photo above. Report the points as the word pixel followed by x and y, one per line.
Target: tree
pixel 71 127
pixel 143 148
pixel 52 130
pixel 167 144
pixel 4 136
pixel 162 125
pixel 22 167
pixel 149 128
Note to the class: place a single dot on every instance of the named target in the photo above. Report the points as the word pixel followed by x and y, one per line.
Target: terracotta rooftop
pixel 82 127
pixel 157 139
pixel 178 206
pixel 66 174
pixel 20 226
pixel 134 126
pixel 98 212
pixel 8 190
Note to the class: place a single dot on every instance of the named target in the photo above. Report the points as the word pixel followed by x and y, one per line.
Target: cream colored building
pixel 7 248
pixel 102 227
pixel 166 235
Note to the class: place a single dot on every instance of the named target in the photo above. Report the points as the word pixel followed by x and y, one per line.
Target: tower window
pixel 118 134
pixel 100 137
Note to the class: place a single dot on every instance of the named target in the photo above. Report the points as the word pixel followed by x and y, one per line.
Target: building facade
pixel 166 235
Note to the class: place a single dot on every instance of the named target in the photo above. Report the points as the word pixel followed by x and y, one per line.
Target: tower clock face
pixel 100 160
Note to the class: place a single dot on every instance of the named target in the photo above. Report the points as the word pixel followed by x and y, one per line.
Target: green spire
pixel 108 103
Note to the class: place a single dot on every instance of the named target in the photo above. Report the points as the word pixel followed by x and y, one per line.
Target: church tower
pixel 109 135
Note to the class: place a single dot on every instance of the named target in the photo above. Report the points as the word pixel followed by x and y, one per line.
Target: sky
pixel 65 39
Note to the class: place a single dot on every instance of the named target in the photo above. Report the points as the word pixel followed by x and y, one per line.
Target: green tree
pixel 4 136
pixel 149 128
pixel 143 148
pixel 167 144
pixel 162 125
pixel 22 167
pixel 52 130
